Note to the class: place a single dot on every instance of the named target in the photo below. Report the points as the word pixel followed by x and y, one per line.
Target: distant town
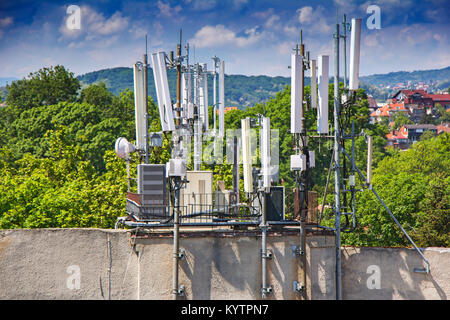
pixel 410 114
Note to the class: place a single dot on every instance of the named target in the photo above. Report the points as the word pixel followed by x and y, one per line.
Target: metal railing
pixel 208 208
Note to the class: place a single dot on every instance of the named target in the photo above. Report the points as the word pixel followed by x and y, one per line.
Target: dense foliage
pixel 415 185
pixel 58 167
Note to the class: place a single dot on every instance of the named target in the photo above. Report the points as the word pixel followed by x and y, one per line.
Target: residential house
pixel 388 112
pixel 414 131
pixel 419 102
pixel 444 127
pixel 408 134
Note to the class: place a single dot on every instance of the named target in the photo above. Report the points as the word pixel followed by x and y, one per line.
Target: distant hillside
pixel 240 90
pixel 245 91
pixel 403 76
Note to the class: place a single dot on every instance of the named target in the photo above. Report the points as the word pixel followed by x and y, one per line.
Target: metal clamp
pixel 297 251
pixel 180 291
pixel 267 255
pixel 422 270
pixel 298 286
pixel 181 254
pixel 266 291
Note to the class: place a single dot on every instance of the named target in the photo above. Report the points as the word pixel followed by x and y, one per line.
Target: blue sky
pixel 253 37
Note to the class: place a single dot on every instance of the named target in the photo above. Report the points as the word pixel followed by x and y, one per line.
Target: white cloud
pixel 203 5
pixel 239 3
pixel 305 15
pixel 273 22
pixel 94 25
pixel 219 35
pixel 313 19
pixel 165 10
pixel 5 22
pixel 263 14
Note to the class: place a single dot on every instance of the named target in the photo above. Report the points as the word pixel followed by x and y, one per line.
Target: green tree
pixel 47 86
pixel 400 119
pixel 97 95
pixel 408 184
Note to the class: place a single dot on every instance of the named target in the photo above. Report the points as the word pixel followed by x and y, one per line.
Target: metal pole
pixel 215 91
pixel 344 36
pixel 236 175
pixel 176 241
pixel 427 269
pixel 146 105
pixel 178 82
pixel 128 174
pixel 304 174
pixel 265 290
pixel 337 160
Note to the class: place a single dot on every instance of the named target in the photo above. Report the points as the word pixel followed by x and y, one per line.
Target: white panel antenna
pixel 355 44
pixel 205 98
pixel 166 92
pixel 322 110
pixel 139 109
pixel 184 98
pixel 296 93
pixel 222 99
pixel 188 93
pixel 155 58
pixel 246 155
pixel 313 66
pixel 162 91
pixel 265 152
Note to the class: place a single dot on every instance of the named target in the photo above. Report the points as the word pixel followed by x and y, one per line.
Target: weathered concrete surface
pixel 395 268
pixel 36 264
pixel 40 264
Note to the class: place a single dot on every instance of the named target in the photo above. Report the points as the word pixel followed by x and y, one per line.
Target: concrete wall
pixel 40 264
pixel 388 274
pixel 43 264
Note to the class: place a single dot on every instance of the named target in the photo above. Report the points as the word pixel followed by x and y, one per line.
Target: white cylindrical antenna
pixel 222 99
pixel 322 110
pixel 184 98
pixel 355 44
pixel 265 153
pixel 139 107
pixel 246 155
pixel 190 105
pixel 296 93
pixel 204 88
pixel 313 65
pixel 168 110
pixel 369 159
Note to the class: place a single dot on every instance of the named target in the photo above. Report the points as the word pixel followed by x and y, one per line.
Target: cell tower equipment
pixel 222 98
pixel 355 44
pixel 313 65
pixel 246 155
pixel 322 110
pixel 139 103
pixel 296 92
pixel 162 91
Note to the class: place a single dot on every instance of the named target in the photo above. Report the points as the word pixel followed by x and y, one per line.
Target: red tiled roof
pixel 384 110
pixel 440 97
pixel 443 128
